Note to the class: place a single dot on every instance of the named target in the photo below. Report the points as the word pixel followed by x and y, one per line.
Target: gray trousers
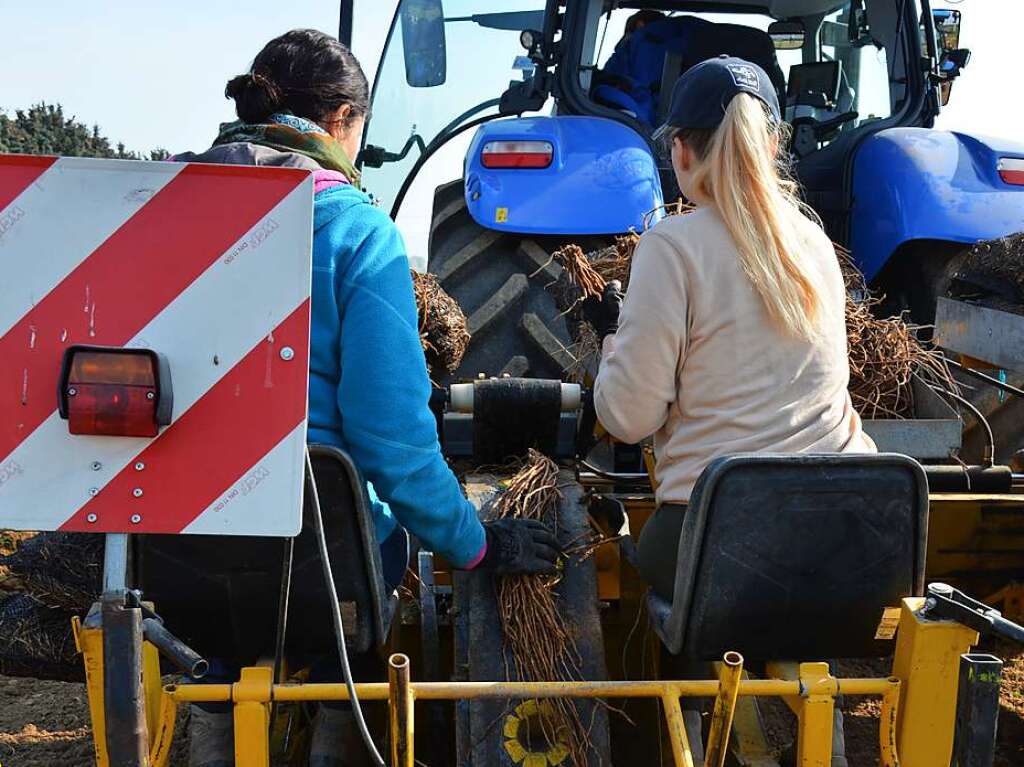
pixel 658 548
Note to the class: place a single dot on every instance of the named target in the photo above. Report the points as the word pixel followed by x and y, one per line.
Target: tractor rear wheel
pixel 500 282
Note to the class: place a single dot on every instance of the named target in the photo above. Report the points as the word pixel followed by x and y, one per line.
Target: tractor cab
pixel 843 70
pixel 549 108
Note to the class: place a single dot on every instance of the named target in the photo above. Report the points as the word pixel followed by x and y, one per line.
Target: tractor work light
pixel 1011 170
pixel 517 154
pixel 114 392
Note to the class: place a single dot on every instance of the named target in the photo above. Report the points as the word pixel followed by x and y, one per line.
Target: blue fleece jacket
pixel 368 387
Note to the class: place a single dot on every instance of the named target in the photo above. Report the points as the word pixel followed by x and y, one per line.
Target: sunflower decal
pixel 525 741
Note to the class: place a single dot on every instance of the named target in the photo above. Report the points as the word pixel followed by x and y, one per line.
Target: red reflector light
pixel 1011 170
pixel 109 391
pixel 517 154
pixel 112 411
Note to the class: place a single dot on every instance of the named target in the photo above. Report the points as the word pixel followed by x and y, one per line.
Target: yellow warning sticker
pixel 890 621
pixel 501 215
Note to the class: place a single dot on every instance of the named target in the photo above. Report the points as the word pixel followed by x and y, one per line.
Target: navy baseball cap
pixel 702 94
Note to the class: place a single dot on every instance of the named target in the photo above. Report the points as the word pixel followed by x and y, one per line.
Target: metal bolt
pixel 140 466
pixel 150 395
pixel 96 465
pixel 72 391
pixel 287 353
pixel 137 492
pixel 136 518
pixel 91 518
pixel 93 491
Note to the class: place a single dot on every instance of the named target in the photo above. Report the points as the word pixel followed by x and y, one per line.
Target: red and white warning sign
pixel 209 266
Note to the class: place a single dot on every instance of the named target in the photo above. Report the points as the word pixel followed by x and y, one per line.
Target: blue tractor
pixel 551 105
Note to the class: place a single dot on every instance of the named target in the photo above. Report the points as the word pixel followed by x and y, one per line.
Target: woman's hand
pixel 519 546
pixel 603 312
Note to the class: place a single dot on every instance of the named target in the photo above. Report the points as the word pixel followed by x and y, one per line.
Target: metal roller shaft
pixel 462 397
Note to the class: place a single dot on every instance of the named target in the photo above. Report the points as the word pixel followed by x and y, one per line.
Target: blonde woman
pixel 732 337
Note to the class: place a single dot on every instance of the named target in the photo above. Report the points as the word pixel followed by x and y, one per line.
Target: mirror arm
pixel 373 156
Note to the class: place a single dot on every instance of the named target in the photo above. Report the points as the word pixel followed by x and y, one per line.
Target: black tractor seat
pixel 220 594
pixel 795 557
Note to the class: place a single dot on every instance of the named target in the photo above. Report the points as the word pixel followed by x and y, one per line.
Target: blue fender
pixel 602 178
pixel 920 184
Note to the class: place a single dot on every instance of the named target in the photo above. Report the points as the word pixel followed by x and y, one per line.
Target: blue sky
pixel 152 74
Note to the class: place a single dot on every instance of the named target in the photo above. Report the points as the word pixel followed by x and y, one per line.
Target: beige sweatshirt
pixel 698 362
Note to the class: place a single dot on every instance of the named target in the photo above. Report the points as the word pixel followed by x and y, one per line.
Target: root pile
pixel 444 334
pixel 992 274
pixel 885 355
pixel 535 633
pixel 49 578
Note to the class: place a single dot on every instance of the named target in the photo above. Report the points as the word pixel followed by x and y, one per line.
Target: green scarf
pixel 288 133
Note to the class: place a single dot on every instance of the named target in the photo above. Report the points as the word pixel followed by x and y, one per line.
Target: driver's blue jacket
pixel 369 389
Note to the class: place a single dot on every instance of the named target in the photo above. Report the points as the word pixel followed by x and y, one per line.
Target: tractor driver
pixel 732 336
pixel 303 104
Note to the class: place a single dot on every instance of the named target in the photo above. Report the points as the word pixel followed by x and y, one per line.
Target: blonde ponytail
pixel 740 171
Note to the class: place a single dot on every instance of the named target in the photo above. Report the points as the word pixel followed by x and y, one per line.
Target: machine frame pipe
pixel 400 710
pixel 701 688
pixel 124 701
pixel 179 653
pixel 977 710
pixel 729 676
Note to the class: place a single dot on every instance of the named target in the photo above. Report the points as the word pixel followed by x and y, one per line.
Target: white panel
pixel 221 316
pixel 68 212
pixel 254 502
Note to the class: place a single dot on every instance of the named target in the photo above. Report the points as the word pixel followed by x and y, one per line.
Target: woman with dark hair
pixel 303 104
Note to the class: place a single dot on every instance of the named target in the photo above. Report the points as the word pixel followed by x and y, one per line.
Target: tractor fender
pixel 920 184
pixel 602 178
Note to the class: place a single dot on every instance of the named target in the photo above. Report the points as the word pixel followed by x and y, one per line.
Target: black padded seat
pixel 220 594
pixel 795 557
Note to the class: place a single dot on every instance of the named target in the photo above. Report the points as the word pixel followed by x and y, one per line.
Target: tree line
pixel 44 129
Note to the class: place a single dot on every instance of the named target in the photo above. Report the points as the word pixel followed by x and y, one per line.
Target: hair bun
pixel 256 96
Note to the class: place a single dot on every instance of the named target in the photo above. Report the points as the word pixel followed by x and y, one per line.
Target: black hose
pixel 989 457
pixel 995 382
pixel 339 628
pixel 282 608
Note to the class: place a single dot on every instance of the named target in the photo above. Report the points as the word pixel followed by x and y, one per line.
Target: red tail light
pixel 517 154
pixel 1011 171
pixel 110 391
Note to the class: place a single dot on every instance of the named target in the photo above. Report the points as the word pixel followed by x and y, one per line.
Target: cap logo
pixel 743 75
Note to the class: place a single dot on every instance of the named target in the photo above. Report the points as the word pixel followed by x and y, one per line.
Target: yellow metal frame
pixel 89 642
pixel 251 731
pixel 915 728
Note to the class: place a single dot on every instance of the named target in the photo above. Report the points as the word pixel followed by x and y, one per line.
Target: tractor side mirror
pixel 787 35
pixel 952 58
pixel 947 27
pixel 423 43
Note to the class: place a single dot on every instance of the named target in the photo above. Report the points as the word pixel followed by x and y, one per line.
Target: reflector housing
pixel 517 154
pixel 1011 170
pixel 110 391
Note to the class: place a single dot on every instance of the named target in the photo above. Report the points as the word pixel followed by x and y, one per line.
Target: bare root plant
pixel 444 333
pixel 536 635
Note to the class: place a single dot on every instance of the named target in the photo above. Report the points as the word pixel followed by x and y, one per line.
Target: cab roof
pixel 780 9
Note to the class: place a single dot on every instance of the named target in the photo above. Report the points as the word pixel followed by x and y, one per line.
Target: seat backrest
pixel 795 557
pixel 649 62
pixel 220 594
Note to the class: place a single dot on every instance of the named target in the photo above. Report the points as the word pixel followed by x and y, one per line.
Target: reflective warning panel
pixel 207 266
